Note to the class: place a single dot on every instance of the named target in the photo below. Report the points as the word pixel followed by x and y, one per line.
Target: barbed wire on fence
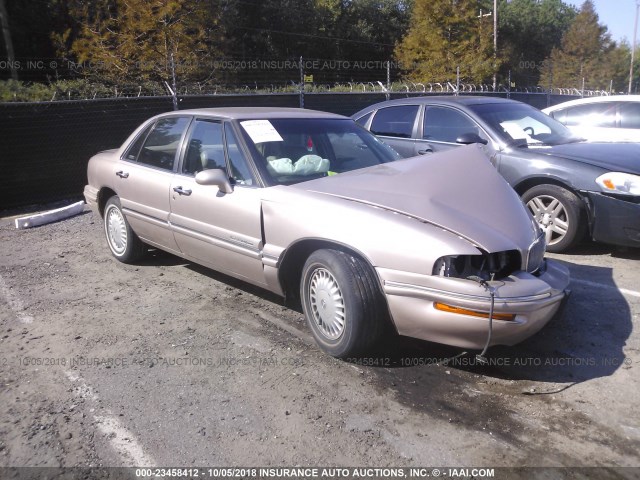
pixel 65 90
pixel 66 80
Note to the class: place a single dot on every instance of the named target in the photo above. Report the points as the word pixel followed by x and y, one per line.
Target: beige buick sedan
pixel 314 208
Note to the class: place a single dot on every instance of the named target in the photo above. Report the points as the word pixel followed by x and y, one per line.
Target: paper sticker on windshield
pixel 514 131
pixel 261 131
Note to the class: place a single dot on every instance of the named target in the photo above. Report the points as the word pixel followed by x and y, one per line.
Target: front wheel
pixel 122 240
pixel 559 213
pixel 342 303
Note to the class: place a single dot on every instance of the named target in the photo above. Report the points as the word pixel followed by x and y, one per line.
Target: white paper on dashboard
pixel 261 131
pixel 514 130
pixel 517 132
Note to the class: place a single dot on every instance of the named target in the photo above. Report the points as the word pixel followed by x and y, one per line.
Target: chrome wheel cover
pixel 116 230
pixel 552 217
pixel 326 304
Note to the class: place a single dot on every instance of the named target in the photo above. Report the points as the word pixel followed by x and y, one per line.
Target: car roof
pixel 256 113
pixel 450 99
pixel 440 100
pixel 587 100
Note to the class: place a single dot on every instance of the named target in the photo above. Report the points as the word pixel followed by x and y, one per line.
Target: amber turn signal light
pixel 443 307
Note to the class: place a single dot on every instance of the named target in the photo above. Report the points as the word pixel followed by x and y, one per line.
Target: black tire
pixel 560 214
pixel 122 240
pixel 361 305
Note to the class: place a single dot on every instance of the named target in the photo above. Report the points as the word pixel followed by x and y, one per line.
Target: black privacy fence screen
pixel 45 146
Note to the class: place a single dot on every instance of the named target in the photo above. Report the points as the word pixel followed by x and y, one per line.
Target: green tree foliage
pixel 130 42
pixel 586 52
pixel 325 29
pixel 140 39
pixel 444 35
pixel 375 26
pixel 528 31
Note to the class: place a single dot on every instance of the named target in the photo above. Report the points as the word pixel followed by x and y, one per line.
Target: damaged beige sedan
pixel 314 208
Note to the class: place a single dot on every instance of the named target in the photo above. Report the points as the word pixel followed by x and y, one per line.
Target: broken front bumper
pixel 532 300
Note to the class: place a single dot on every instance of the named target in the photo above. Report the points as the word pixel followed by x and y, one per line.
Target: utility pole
pixel 495 42
pixel 495 38
pixel 633 46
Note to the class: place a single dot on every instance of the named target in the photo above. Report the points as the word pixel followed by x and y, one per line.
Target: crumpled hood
pixel 615 157
pixel 458 190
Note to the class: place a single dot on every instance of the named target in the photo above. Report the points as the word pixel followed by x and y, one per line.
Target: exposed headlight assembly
pixel 485 266
pixel 619 183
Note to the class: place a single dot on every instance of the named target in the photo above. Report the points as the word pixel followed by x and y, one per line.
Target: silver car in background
pixel 613 118
pixel 314 208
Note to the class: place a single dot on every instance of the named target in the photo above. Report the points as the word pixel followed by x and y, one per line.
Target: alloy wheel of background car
pixel 559 214
pixel 342 303
pixel 122 240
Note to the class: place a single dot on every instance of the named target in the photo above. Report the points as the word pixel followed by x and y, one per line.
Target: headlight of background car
pixel 620 183
pixel 536 252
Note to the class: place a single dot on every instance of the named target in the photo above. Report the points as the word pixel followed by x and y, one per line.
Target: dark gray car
pixel 570 187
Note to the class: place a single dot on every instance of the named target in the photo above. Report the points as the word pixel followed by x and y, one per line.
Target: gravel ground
pixel 167 363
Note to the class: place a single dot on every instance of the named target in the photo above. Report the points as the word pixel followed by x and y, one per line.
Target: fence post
pixel 174 93
pixel 550 83
pixel 388 95
pixel 301 84
pixel 509 86
pixel 457 81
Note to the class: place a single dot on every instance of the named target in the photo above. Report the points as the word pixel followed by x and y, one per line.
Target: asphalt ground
pixel 167 363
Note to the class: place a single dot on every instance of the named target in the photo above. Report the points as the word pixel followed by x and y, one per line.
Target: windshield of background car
pixel 520 124
pixel 296 150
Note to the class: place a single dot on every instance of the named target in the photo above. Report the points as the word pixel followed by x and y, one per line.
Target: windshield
pixel 519 124
pixel 295 150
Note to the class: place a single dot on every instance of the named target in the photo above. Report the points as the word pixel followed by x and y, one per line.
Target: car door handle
pixel 180 191
pixel 122 174
pixel 423 152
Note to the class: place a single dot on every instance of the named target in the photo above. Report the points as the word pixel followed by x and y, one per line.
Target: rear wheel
pixel 560 214
pixel 342 303
pixel 122 240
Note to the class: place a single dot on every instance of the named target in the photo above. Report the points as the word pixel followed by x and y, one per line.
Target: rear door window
pixel 161 145
pixel 134 149
pixel 592 115
pixel 395 121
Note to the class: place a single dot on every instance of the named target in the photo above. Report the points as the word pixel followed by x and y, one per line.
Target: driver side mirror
pixel 469 138
pixel 215 176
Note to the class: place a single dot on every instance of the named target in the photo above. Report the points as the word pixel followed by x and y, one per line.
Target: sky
pixel 617 15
